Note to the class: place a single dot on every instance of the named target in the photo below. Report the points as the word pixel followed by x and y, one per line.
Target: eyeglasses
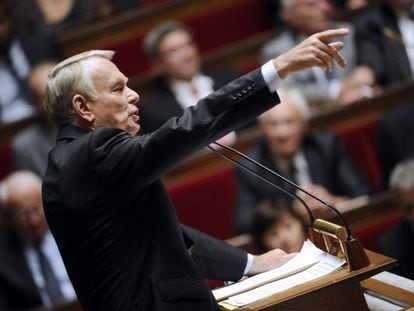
pixel 24 214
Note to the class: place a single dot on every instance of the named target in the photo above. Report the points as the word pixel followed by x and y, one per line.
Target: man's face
pixel 27 214
pixel 310 16
pixel 179 55
pixel 283 128
pixel 115 105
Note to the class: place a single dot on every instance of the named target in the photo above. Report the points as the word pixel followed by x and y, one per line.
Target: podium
pixel 340 290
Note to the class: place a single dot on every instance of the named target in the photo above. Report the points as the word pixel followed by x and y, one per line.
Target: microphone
pixel 292 195
pixel 280 177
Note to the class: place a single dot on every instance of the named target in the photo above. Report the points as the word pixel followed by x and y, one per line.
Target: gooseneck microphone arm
pixel 292 195
pixel 288 182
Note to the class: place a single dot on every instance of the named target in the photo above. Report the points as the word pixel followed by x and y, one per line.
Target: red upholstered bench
pixel 362 145
pixel 370 235
pixel 212 29
pixel 207 202
pixel 6 164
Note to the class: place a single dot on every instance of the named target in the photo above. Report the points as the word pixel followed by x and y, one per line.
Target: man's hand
pixel 316 50
pixel 269 260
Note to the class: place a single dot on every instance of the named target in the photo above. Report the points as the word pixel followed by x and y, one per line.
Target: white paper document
pixel 310 263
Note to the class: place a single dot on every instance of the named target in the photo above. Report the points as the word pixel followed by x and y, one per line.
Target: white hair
pixel 18 180
pixel 402 176
pixel 295 97
pixel 67 79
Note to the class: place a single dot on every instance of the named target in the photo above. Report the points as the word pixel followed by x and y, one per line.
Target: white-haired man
pixel 32 273
pixel 398 241
pixel 315 160
pixel 106 206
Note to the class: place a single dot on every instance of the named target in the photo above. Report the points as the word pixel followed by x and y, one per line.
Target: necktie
pixel 51 283
pixel 195 93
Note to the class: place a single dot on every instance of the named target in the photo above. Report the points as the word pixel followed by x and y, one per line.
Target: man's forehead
pixel 102 69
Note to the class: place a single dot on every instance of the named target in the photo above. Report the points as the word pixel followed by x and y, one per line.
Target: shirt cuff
pixel 271 76
pixel 249 263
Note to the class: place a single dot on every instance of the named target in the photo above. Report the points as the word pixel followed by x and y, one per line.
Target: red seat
pixel 6 164
pixel 207 203
pixel 362 145
pixel 212 29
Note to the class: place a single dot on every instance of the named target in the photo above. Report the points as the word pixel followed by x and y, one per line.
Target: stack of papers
pixel 309 264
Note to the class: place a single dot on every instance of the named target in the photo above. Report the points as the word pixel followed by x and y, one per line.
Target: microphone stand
pixel 332 238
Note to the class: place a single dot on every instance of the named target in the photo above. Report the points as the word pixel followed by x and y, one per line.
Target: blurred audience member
pixel 303 18
pixel 398 242
pixel 31 147
pixel 385 40
pixel 315 160
pixel 278 226
pixel 18 54
pixel 14 100
pixel 396 140
pixel 171 45
pixel 47 17
pixel 350 5
pixel 32 273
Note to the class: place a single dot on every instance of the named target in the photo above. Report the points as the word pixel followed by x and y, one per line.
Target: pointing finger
pixel 331 33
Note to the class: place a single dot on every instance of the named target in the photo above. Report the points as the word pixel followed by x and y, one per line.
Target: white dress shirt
pixel 406 26
pixel 51 251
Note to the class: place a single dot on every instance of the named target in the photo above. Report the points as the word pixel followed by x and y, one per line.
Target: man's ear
pixel 82 108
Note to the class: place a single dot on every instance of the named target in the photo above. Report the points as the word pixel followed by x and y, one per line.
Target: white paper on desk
pixel 308 256
pixel 326 265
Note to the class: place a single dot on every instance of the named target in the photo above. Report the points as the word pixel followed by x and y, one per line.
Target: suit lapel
pixel 400 58
pixel 14 268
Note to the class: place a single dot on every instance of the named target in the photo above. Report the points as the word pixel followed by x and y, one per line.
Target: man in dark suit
pixel 315 160
pixel 171 45
pixel 396 141
pixel 23 283
pixel 398 241
pixel 384 40
pixel 106 206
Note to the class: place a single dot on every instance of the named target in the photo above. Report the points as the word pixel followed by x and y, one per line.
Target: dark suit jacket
pixel 114 222
pixel 329 167
pixel 18 290
pixel 398 243
pixel 387 58
pixel 396 140
pixel 162 105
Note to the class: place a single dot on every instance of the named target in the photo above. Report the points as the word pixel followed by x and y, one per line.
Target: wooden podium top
pixel 339 290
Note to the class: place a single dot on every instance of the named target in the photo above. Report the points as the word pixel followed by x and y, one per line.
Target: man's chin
pixel 134 131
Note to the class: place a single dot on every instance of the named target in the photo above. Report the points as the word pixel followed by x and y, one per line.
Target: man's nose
pixel 133 97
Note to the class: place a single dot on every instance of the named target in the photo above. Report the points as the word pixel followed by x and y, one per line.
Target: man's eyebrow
pixel 118 80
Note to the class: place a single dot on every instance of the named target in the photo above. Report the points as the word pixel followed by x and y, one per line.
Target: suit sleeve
pixel 214 258
pixel 388 152
pixel 368 46
pixel 140 160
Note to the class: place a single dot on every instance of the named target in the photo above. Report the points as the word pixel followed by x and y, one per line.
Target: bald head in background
pixel 22 203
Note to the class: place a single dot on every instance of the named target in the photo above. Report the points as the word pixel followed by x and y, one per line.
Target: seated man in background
pixel 384 40
pixel 32 273
pixel 31 146
pixel 171 45
pixel 304 17
pixel 398 242
pixel 396 141
pixel 315 160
